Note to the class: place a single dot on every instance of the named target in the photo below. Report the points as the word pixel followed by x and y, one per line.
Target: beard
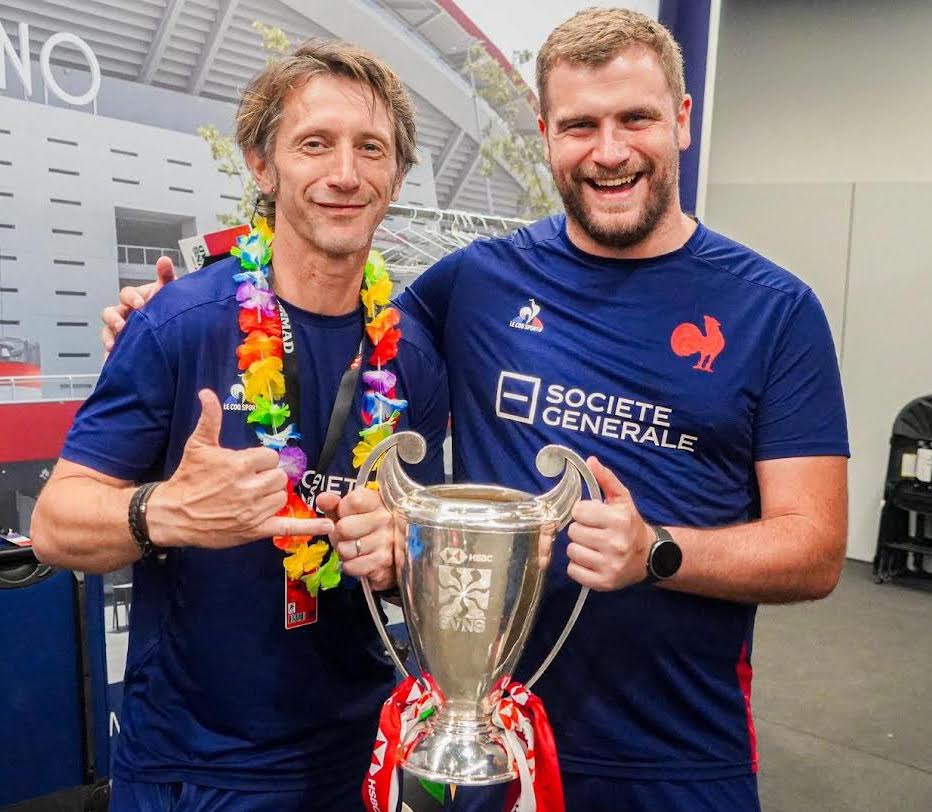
pixel 609 230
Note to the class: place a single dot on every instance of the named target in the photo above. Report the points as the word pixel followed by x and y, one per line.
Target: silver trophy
pixel 470 563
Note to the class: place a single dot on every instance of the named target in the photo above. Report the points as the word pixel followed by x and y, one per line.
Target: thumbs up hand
pixel 207 431
pixel 609 541
pixel 220 498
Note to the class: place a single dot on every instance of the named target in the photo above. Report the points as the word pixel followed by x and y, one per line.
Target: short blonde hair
pixel 594 36
pixel 260 108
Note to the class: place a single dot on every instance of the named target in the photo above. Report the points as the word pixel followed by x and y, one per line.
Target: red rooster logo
pixel 687 339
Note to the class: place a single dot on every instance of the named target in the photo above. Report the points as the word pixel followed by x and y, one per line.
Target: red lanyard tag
pixel 300 605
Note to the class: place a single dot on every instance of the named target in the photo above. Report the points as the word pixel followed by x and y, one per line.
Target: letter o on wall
pixel 46 68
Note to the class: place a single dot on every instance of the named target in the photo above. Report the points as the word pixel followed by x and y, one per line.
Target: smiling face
pixel 614 135
pixel 333 166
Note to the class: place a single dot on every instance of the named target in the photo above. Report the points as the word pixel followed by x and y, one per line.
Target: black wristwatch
pixel 137 519
pixel 664 558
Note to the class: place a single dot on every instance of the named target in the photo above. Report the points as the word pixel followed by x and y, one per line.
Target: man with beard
pixel 701 376
pixel 692 370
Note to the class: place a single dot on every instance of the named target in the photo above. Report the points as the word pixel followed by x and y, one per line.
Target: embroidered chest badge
pixel 527 318
pixel 688 339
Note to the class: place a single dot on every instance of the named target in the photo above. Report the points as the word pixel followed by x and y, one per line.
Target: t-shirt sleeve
pixel 430 416
pixel 427 299
pixel 122 429
pixel 802 410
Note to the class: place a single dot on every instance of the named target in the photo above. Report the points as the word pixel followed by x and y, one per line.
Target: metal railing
pixel 21 388
pixel 412 238
pixel 146 254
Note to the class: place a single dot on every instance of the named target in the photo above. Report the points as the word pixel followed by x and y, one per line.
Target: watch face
pixel 665 558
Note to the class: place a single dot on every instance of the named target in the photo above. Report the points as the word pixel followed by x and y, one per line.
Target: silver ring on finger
pixel 358 548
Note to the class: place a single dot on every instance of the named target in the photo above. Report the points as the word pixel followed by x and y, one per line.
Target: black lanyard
pixel 341 405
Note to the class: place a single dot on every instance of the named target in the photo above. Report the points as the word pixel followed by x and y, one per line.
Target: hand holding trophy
pixel 470 563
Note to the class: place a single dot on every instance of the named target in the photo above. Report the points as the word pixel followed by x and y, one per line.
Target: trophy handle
pixel 411 447
pixel 550 461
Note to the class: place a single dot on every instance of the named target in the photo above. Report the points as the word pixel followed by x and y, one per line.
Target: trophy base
pixel 468 753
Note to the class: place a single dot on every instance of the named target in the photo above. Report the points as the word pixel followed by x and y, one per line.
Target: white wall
pixel 888 343
pixel 807 233
pixel 834 90
pixel 820 159
pixel 63 175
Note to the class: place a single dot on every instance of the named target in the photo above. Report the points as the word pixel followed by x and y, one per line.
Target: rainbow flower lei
pixel 314 562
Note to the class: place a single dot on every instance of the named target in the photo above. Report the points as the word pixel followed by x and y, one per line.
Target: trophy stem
pixel 459 751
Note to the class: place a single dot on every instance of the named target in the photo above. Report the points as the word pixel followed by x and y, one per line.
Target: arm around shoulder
pixel 427 299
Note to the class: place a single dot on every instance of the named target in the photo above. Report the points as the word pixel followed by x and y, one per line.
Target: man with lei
pixel 254 674
pixel 701 373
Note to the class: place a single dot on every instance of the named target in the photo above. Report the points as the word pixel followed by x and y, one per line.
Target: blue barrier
pixel 53 681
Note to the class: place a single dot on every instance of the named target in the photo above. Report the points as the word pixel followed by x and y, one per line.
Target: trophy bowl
pixel 470 563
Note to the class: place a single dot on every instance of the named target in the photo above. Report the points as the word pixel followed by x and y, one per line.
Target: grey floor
pixel 842 698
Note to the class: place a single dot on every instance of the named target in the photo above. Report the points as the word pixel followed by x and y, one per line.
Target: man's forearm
pixel 81 524
pixel 775 560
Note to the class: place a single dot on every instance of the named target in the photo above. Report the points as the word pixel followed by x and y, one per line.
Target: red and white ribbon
pixel 529 737
pixel 525 729
pixel 400 713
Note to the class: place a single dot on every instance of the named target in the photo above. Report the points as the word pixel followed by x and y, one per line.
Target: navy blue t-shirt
pixel 217 692
pixel 679 372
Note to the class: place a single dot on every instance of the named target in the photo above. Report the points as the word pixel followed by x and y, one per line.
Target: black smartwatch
pixel 664 558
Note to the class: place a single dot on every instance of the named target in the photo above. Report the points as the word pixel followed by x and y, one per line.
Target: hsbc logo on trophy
pixel 456 556
pixel 453 555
